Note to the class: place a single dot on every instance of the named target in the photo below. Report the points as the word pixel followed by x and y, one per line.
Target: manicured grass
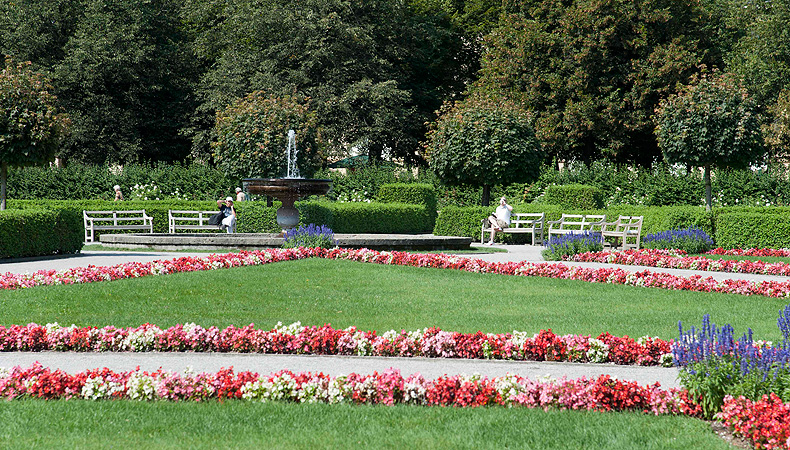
pixel 370 296
pixel 237 424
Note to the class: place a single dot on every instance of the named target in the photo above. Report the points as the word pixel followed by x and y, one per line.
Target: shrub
pixel 691 240
pixel 558 247
pixel 39 232
pixel 310 236
pixel 575 196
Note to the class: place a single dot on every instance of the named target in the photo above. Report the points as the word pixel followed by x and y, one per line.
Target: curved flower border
pixel 766 422
pixel 388 388
pixel 325 340
pixel 550 270
pixel 673 259
pixel 781 252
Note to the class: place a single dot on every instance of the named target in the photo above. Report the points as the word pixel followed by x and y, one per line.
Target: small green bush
pixel 39 232
pixel 577 196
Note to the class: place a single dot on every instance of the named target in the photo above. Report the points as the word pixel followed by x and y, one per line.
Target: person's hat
pixel 229 199
pixel 238 189
pixel 116 188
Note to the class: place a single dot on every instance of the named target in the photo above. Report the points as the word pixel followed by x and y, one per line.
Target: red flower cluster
pixel 781 252
pixel 766 422
pixel 325 340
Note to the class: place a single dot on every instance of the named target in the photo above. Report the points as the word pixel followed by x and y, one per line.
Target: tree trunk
pixel 486 200
pixel 707 188
pixel 3 178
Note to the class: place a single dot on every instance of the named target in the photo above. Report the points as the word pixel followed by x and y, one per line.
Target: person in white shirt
pixel 499 219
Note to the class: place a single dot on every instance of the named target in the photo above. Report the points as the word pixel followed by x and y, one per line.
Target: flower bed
pixel 550 270
pixel 673 259
pixel 388 388
pixel 766 422
pixel 325 340
pixel 781 253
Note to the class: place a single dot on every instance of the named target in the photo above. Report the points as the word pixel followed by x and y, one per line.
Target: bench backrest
pixel 115 216
pixel 629 224
pixel 527 220
pixel 579 222
pixel 190 216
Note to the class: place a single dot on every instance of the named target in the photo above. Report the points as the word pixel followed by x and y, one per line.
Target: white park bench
pixel 189 220
pixel 115 220
pixel 520 223
pixel 575 223
pixel 627 231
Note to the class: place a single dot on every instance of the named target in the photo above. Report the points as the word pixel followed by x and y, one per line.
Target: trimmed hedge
pixel 362 217
pixel 753 229
pixel 465 221
pixel 414 193
pixel 39 232
pixel 575 196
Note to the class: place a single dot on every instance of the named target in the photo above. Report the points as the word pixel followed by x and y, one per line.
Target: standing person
pixel 500 218
pixel 240 196
pixel 227 209
pixel 118 193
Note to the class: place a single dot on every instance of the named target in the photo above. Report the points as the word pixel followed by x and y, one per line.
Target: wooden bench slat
pixel 98 220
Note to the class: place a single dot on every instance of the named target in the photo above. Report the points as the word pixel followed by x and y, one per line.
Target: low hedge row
pixel 412 193
pixel 37 232
pixel 256 217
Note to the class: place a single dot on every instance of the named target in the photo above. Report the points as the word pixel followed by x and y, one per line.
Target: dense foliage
pixel 484 141
pixel 711 123
pixel 252 136
pixel 561 246
pixel 690 240
pixel 30 125
pixel 37 232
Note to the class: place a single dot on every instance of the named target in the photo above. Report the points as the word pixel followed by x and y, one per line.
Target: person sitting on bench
pixel 500 218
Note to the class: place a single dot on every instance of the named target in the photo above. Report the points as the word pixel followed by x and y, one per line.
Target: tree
pixel 483 141
pixel 592 72
pixel 374 69
pixel 710 122
pixel 252 136
pixel 127 79
pixel 30 126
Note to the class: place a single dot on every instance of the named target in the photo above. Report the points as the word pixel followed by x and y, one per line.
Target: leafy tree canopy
pixel 592 72
pixel 711 122
pixel 30 125
pixel 484 141
pixel 252 132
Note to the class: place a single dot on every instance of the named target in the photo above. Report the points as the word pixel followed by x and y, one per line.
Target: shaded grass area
pixel 375 297
pixel 237 424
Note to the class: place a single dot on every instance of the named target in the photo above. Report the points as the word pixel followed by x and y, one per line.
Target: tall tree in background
pixel 374 70
pixel 126 80
pixel 592 72
pixel 30 126
pixel 484 141
pixel 711 123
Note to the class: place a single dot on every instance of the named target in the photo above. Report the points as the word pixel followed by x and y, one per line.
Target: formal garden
pixel 420 113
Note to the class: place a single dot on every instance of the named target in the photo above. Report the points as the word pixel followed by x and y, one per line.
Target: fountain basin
pixel 286 190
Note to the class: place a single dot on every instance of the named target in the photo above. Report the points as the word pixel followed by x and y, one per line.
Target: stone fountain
pixel 289 189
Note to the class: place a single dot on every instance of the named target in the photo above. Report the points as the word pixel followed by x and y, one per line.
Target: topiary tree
pixel 710 122
pixel 483 141
pixel 30 126
pixel 252 136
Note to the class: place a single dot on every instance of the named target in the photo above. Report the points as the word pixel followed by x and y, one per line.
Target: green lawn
pixel 370 296
pixel 236 424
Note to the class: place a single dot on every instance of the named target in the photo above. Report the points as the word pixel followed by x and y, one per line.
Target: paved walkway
pixel 333 365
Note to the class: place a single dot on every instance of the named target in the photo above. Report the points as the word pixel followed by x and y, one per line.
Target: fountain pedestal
pixel 288 191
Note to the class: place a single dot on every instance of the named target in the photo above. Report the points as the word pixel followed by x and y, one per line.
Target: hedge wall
pixel 39 232
pixel 414 193
pixel 363 217
pixel 757 229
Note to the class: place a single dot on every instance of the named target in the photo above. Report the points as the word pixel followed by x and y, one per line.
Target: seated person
pixel 499 219
pixel 226 208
